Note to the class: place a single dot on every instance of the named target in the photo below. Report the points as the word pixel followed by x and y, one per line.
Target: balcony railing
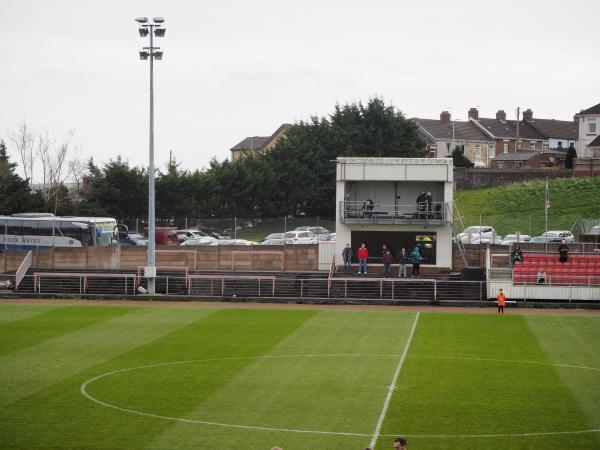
pixel 421 213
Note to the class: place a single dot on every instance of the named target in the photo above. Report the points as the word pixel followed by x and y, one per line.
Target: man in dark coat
pixel 347 255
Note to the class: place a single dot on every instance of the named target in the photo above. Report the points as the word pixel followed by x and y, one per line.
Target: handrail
pixel 422 212
pixel 23 268
pixel 330 277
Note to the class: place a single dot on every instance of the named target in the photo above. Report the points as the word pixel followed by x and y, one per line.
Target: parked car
pixel 538 240
pixel 295 236
pixel 480 231
pixel 184 235
pixel 136 239
pixel 273 236
pixel 199 241
pixel 510 239
pixel 315 230
pixel 232 242
pixel 595 230
pixel 558 236
pixel 486 239
pixel 273 242
pixel 215 232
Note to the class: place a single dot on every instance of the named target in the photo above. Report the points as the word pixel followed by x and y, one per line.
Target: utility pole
pixel 517 145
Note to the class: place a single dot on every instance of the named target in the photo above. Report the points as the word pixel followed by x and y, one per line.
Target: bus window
pixel 30 228
pixel 15 228
pixel 45 227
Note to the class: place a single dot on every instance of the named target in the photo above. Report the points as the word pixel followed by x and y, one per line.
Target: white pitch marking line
pixel 386 404
pixel 83 390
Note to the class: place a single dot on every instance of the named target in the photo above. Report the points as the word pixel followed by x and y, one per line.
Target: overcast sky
pixel 233 69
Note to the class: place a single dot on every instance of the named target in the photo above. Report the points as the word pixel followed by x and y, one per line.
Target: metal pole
pixel 151 215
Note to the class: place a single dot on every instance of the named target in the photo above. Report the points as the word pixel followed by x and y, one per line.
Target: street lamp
pixel 154 28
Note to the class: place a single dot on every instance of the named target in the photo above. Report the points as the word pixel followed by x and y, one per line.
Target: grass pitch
pixel 125 377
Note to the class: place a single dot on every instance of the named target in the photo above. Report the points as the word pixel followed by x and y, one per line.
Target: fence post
pixel 435 291
pixel 301 288
pixel 481 291
pixel 168 280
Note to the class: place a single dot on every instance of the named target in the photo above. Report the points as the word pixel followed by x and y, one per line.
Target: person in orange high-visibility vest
pixel 501 299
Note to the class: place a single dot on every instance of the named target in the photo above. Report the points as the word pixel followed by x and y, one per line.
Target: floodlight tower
pixel 155 28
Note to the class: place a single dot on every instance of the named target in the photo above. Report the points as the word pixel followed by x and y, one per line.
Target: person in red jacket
pixel 363 255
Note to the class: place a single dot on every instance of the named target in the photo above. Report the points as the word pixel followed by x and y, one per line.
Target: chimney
pixel 445 117
pixel 576 118
pixel 528 115
pixel 473 113
pixel 501 115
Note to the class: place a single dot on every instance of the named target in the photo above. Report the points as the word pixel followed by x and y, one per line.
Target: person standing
pixel 429 204
pixel 563 251
pixel 415 258
pixel 363 255
pixel 403 259
pixel 347 255
pixel 387 259
pixel 400 444
pixel 421 204
pixel 501 300
pixel 516 255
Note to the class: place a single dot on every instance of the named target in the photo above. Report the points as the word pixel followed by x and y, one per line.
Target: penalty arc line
pixel 386 403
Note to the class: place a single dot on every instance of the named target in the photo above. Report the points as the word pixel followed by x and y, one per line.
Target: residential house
pixel 589 130
pixel 258 144
pixel 561 134
pixel 505 133
pixel 529 160
pixel 443 135
pixel 594 147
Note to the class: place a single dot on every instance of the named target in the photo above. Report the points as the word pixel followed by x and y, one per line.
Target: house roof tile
pixel 463 131
pixel 508 129
pixel 595 142
pixel 251 143
pixel 556 128
pixel 592 110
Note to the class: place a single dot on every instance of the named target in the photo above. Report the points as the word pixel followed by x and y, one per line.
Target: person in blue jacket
pixel 415 258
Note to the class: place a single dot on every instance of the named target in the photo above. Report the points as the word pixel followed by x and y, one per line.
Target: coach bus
pixel 33 231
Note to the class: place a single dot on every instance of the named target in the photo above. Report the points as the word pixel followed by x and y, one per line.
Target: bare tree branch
pixel 23 139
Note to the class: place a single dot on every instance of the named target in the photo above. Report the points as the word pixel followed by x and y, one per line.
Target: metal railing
pixel 364 212
pixel 250 287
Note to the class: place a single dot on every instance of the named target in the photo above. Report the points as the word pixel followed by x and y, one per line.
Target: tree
pixel 459 158
pixel 117 189
pixel 24 139
pixel 571 154
pixel 15 192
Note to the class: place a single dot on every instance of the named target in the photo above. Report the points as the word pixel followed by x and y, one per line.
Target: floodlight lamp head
pixel 143 32
pixel 144 55
pixel 158 55
pixel 142 20
pixel 158 19
pixel 159 32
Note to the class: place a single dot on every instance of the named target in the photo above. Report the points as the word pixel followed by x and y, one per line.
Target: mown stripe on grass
pixel 15 311
pixel 574 340
pixel 460 396
pixel 65 418
pixel 340 393
pixel 48 325
pixel 25 372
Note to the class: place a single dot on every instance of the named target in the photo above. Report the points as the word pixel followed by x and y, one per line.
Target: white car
pixel 595 230
pixel 484 231
pixel 315 230
pixel 184 235
pixel 558 236
pixel 514 238
pixel 199 241
pixel 295 236
pixel 486 239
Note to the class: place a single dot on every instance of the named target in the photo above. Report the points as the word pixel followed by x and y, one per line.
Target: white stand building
pixel 376 202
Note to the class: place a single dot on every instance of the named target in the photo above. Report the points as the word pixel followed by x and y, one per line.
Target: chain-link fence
pixel 235 227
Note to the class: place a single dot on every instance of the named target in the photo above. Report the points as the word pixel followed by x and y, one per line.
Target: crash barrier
pixel 23 268
pixel 250 286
